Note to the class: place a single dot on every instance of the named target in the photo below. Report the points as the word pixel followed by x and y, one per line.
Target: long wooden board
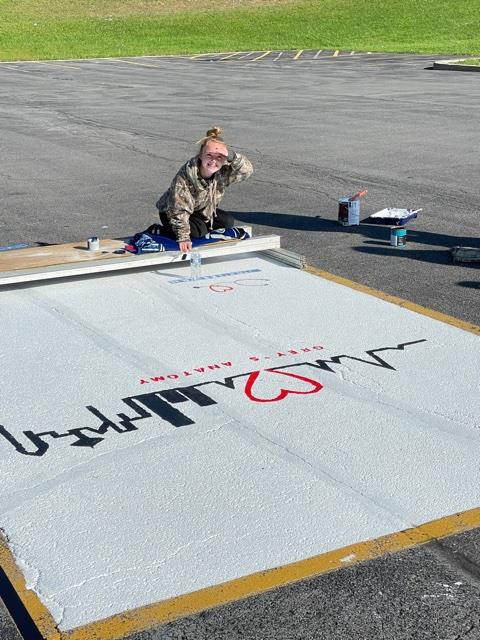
pixel 69 253
pixel 36 257
pixel 72 260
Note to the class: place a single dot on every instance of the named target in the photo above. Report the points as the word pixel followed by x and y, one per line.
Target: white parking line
pixel 55 64
pixel 200 55
pixel 139 64
pixel 230 56
pixel 15 69
pixel 260 57
pixel 247 55
pixel 317 54
pixel 279 56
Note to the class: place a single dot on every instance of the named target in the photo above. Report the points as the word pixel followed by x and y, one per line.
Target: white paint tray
pixel 392 216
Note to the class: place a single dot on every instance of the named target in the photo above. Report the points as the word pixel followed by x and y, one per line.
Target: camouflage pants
pixel 198 226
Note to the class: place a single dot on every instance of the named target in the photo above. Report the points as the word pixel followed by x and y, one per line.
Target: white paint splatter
pixel 348 558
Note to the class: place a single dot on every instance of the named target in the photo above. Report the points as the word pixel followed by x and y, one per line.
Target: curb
pixel 454 65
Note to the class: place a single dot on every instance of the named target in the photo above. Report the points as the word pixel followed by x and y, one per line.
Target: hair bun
pixel 213 135
pixel 214 132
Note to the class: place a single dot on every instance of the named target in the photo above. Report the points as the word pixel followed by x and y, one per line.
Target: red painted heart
pixel 253 377
pixel 220 288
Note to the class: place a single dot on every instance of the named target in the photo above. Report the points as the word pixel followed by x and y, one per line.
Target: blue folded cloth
pixel 148 242
pixel 144 243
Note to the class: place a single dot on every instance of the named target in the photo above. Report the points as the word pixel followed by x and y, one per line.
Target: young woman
pixel 188 209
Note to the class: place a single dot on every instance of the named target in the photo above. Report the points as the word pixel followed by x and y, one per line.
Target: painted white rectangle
pixel 160 435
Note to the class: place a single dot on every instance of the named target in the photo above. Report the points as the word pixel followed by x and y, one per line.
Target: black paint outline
pixel 161 403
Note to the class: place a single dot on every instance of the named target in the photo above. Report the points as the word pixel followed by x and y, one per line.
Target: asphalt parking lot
pixel 89 145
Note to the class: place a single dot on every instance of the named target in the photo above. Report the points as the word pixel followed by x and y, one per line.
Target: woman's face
pixel 213 157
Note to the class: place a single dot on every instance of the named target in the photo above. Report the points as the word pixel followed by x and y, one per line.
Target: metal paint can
pixel 93 243
pixel 398 237
pixel 348 212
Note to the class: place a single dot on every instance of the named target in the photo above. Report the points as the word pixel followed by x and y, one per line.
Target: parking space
pixel 237 57
pixel 127 439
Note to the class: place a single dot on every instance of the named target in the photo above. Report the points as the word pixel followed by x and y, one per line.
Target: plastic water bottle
pixel 195 265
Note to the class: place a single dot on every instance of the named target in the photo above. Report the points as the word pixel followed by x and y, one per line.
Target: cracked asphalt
pixel 87 147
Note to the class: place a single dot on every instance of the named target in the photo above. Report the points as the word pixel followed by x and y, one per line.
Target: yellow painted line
pixel 139 64
pixel 299 53
pixel 336 53
pixel 144 618
pixel 39 614
pixel 231 55
pixel 260 57
pixel 406 304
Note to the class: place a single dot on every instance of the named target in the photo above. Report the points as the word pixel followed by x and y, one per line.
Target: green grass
pixel 46 29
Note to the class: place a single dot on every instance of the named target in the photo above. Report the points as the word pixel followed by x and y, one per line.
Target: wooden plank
pixel 112 262
pixel 36 257
pixel 56 254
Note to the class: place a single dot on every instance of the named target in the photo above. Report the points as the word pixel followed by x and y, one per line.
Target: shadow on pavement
pixel 377 236
pixel 434 256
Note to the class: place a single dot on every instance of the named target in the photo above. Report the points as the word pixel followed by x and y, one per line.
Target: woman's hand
pixel 186 247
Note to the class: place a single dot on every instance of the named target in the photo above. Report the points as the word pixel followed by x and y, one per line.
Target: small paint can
pixel 398 237
pixel 348 212
pixel 93 243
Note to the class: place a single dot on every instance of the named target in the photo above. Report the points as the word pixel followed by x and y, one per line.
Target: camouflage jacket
pixel 189 193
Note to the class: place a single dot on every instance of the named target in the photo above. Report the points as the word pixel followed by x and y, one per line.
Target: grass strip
pixel 28 31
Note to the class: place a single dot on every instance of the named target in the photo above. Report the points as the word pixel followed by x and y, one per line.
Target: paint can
pixel 398 237
pixel 348 211
pixel 93 243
